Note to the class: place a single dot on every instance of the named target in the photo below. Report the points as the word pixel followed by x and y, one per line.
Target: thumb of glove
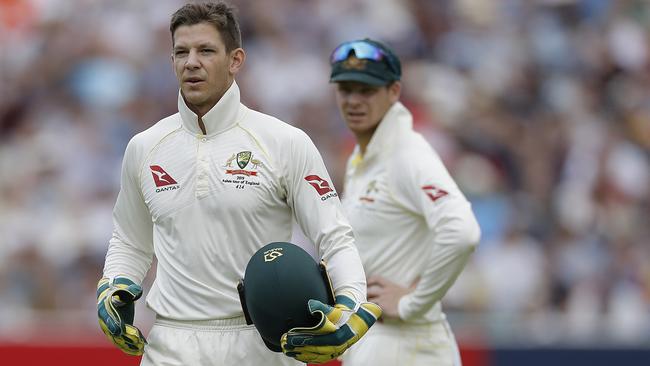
pixel 127 295
pixel 335 315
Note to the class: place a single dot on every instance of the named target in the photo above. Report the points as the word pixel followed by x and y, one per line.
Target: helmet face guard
pixel 279 280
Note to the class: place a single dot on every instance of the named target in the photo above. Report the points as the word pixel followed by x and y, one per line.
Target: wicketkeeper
pixel 203 190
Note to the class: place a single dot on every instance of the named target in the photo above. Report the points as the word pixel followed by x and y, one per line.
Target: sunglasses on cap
pixel 363 50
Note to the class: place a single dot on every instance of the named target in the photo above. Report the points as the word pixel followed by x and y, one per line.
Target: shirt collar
pixel 221 117
pixel 397 120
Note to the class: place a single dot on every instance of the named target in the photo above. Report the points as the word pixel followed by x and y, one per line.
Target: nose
pixel 353 98
pixel 192 61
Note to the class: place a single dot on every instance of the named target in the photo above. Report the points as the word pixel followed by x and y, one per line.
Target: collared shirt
pixel 205 203
pixel 411 222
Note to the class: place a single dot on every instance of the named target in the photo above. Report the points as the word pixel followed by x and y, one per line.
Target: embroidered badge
pixel 371 189
pixel 434 192
pixel 321 186
pixel 246 168
pixel 353 63
pixel 162 179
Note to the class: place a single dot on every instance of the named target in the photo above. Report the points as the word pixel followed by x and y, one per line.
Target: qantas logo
pixel 162 179
pixel 160 176
pixel 321 186
pixel 434 192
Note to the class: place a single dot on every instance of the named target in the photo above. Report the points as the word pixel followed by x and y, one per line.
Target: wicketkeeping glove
pixel 340 327
pixel 116 310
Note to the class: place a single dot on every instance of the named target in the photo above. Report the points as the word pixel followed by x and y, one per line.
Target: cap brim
pixel 359 77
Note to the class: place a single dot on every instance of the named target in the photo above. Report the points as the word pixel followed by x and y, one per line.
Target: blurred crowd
pixel 540 109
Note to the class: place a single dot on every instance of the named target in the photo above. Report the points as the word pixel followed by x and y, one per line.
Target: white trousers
pixel 405 345
pixel 228 342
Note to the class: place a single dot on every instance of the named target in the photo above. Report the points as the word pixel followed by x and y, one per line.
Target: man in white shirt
pixel 413 227
pixel 203 190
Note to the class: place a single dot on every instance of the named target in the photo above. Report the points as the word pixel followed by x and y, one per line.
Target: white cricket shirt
pixel 205 203
pixel 410 220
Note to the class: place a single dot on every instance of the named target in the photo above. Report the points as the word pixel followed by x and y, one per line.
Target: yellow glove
pixel 116 310
pixel 340 327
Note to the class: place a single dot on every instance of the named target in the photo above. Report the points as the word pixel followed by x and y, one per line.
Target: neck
pixel 363 139
pixel 204 108
pixel 201 110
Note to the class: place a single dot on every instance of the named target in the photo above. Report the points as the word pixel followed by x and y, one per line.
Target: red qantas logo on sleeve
pixel 320 184
pixel 434 192
pixel 160 176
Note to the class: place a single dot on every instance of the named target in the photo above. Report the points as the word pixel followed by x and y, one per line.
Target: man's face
pixel 362 106
pixel 202 66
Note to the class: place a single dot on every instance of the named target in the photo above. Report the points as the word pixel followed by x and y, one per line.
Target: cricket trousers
pixel 222 342
pixel 398 343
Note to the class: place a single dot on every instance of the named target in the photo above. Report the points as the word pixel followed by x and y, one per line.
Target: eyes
pixel 184 52
pixel 362 89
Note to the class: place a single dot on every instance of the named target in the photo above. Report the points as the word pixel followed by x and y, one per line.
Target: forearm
pixel 346 272
pixel 435 282
pixel 126 260
pixel 453 243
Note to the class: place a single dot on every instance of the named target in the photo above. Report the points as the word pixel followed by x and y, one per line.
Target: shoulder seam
pixel 252 135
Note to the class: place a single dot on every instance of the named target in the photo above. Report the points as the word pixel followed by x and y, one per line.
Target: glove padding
pixel 341 326
pixel 116 310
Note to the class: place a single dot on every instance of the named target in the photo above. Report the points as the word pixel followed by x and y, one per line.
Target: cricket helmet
pixel 279 280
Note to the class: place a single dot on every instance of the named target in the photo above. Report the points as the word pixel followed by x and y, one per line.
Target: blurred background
pixel 540 110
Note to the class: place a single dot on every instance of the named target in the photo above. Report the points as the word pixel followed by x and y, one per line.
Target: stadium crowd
pixel 540 109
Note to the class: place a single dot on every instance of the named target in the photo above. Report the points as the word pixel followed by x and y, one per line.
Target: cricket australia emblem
pixel 371 190
pixel 243 158
pixel 247 166
pixel 353 63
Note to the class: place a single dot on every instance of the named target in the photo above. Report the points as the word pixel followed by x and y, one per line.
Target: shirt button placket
pixel 202 166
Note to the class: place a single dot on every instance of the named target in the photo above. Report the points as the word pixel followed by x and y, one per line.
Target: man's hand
pixel 387 294
pixel 116 310
pixel 340 327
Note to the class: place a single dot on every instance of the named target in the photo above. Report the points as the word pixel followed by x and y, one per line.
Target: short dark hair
pixel 219 14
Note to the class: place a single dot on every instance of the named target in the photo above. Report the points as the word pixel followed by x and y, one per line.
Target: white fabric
pixel 176 343
pixel 235 190
pixel 405 345
pixel 409 218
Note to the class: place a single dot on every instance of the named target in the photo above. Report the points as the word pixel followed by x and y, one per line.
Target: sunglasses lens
pixel 361 49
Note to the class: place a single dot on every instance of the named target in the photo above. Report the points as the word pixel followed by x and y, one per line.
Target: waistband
pixel 400 324
pixel 211 324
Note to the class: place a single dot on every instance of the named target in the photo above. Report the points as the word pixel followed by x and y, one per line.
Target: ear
pixel 237 58
pixel 173 66
pixel 394 91
pixel 171 56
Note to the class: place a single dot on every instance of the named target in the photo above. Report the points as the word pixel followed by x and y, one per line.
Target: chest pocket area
pixel 371 196
pixel 243 180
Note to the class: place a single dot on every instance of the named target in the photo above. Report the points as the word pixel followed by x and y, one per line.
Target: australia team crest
pixel 243 169
pixel 246 163
pixel 243 158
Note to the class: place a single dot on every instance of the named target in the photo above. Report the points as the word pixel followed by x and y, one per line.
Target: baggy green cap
pixel 366 70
